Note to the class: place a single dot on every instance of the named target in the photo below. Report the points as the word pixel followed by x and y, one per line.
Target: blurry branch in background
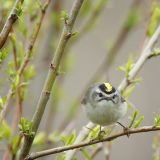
pixel 153 20
pixel 18 109
pixel 129 23
pixel 107 150
pixel 16 10
pixel 26 59
pixel 69 21
pixel 156 147
pixel 93 17
pixel 90 142
pixel 20 70
pixel 53 31
pixel 146 53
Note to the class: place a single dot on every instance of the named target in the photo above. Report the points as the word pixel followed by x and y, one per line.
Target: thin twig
pixel 18 109
pixel 143 58
pixel 90 142
pixel 52 74
pixel 123 85
pixel 56 6
pixel 26 59
pixel 14 52
pixel 9 23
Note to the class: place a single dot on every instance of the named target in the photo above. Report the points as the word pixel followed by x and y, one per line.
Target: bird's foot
pixel 125 129
pixel 100 134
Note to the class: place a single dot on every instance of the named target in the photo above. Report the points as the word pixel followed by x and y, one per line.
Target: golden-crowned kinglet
pixel 103 104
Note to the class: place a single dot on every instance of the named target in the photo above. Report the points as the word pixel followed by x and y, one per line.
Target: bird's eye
pixel 100 94
pixel 114 96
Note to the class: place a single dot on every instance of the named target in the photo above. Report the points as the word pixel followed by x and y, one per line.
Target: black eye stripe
pixel 114 96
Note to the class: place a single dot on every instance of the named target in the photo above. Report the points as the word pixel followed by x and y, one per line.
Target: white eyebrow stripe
pixel 98 90
pixel 107 95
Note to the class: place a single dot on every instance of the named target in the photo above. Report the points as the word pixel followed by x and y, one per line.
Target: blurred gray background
pixel 88 53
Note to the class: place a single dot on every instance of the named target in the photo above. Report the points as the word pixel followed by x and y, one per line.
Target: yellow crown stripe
pixel 108 87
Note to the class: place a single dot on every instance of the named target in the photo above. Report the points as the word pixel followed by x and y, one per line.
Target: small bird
pixel 104 105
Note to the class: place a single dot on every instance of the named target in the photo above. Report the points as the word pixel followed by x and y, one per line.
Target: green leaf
pixel 3 54
pixel 87 156
pixel 154 19
pixel 94 132
pixel 121 68
pixel 20 52
pixel 29 72
pixel 108 130
pixel 129 104
pixel 25 127
pixel 133 118
pixel 55 137
pixel 16 82
pixel 136 80
pixel 2 102
pixel 5 131
pixel 62 157
pixel 39 4
pixel 22 28
pixel 13 38
pixel 71 138
pixel 133 18
pixel 127 67
pixel 128 91
pixel 64 15
pixel 138 122
pixel 19 10
pixel 63 138
pixel 156 51
pixel 39 138
pixel 157 120
pixel 15 142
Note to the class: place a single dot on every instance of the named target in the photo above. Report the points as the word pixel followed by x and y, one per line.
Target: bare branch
pixel 144 56
pixel 52 74
pixel 9 23
pixel 90 142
